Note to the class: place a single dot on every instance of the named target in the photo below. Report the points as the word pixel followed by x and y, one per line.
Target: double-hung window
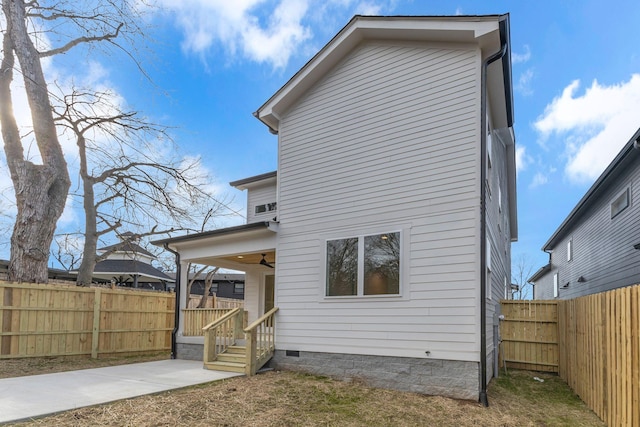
pixel 363 265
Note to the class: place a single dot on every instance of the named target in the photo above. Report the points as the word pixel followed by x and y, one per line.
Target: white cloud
pixel 517 58
pixel 593 126
pixel 263 31
pixel 458 11
pixel 540 178
pixel 522 158
pixel 524 82
pixel 242 26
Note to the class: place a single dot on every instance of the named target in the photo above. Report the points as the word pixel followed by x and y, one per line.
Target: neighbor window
pixel 364 265
pixel 570 250
pixel 555 285
pixel 620 203
pixel 238 288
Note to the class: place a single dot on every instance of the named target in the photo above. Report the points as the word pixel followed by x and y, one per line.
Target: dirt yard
pixel 290 399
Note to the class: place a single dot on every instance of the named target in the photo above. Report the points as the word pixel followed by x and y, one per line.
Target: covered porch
pixel 240 339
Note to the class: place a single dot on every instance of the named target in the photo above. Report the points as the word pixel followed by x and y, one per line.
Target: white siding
pixel 260 195
pixel 389 140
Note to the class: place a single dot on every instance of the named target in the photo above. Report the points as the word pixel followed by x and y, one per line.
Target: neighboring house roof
pixel 215 233
pixel 243 184
pixel 629 153
pixel 54 273
pixel 128 246
pixel 462 29
pixel 118 267
pixel 538 274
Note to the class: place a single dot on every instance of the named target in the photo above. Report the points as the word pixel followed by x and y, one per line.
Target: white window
pixel 620 203
pixel 488 255
pixel 363 265
pixel 489 143
pixel 267 207
pixel 488 269
pixel 570 250
pixel 499 197
pixel 555 285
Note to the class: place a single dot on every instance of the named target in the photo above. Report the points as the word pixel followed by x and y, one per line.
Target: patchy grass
pixel 292 399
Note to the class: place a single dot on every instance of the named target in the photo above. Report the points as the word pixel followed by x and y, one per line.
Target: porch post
pixel 184 280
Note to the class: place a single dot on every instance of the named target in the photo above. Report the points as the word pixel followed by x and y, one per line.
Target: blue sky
pixel 576 75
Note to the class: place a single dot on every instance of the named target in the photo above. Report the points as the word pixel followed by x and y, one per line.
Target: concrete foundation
pixel 189 351
pixel 448 378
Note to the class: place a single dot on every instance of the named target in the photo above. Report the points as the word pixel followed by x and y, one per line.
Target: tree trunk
pixel 41 190
pixel 89 256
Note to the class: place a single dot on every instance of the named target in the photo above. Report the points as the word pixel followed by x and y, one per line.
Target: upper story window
pixel 555 285
pixel 570 250
pixel 620 203
pixel 267 207
pixel 363 265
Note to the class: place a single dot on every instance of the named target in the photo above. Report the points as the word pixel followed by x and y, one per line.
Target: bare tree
pixel 40 190
pixel 126 183
pixel 67 250
pixel 521 270
pixel 34 31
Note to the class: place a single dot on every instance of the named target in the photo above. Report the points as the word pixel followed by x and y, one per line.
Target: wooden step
pixel 236 349
pixel 232 357
pixel 225 366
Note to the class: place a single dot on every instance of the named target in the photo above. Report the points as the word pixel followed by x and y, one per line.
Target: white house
pixel 390 218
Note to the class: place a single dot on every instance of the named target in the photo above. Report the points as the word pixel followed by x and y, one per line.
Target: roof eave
pixel 244 228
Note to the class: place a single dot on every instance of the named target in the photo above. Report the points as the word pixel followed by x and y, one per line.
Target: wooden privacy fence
pixel 529 335
pixel 57 320
pixel 600 352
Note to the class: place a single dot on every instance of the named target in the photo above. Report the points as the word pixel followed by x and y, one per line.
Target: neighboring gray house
pixel 384 237
pixel 597 247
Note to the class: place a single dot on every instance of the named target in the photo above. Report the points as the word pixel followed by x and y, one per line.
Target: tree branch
pixel 80 40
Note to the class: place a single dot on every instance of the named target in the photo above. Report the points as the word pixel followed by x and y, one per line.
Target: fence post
pixel 95 333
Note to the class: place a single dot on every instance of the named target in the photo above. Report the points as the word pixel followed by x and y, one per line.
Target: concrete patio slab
pixel 34 396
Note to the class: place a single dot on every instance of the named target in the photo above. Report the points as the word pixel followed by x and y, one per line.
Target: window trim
pixel 556 281
pixel 625 196
pixel 570 250
pixel 360 234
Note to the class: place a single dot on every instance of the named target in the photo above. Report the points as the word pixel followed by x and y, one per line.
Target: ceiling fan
pixel 264 261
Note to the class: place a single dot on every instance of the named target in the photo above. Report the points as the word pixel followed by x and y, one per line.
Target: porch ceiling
pixel 252 258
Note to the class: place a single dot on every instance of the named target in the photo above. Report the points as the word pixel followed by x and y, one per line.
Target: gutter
pixel 176 318
pixel 482 398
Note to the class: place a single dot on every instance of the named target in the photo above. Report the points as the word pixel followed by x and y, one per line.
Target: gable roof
pixel 119 267
pixel 629 153
pixel 488 31
pixel 127 246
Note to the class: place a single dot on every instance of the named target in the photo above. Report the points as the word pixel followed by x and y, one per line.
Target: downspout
pixel 176 316
pixel 483 222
